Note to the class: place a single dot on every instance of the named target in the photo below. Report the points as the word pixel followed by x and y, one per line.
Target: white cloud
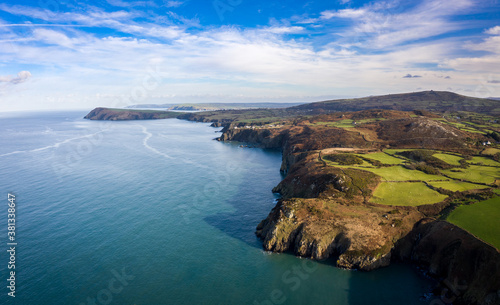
pixel 20 78
pixel 493 31
pixel 285 29
pixel 173 3
pixel 223 62
pixel 345 13
pixel 52 37
pixel 121 3
pixel 383 25
pixel 118 20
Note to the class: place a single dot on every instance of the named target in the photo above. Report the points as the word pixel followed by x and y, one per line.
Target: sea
pixel 155 212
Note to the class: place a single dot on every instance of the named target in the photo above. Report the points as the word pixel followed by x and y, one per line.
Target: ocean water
pixel 156 212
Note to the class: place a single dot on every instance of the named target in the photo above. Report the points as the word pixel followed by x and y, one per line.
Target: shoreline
pixel 410 245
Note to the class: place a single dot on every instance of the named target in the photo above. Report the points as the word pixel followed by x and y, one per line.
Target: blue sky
pixel 71 54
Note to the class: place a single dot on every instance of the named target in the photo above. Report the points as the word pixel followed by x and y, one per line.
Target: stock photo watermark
pixel 115 286
pixel 11 244
pixel 292 279
pixel 222 7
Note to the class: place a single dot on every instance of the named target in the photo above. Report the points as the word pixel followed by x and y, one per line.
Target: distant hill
pixel 433 101
pixel 214 106
pixel 439 101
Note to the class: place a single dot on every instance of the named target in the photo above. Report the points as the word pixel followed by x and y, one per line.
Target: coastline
pixel 414 241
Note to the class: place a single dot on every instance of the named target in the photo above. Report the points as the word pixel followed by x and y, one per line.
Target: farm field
pixel 448 158
pixel 382 157
pixel 405 194
pixel 407 187
pixel 484 161
pixel 395 151
pixel 475 174
pixel 397 173
pixel 480 219
pixel 490 151
pixel 457 186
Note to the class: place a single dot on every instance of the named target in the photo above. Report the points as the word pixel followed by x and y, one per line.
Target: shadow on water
pixel 236 225
pixel 398 283
pixel 251 203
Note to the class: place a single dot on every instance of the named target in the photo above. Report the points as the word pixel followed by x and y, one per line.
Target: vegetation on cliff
pixel 359 184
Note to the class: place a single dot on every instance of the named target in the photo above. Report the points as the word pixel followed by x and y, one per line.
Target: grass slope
pixel 480 219
pixel 450 159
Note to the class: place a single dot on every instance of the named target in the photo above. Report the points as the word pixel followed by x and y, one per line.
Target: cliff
pixel 325 213
pixel 125 114
pixel 467 267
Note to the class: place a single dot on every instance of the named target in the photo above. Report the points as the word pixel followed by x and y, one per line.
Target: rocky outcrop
pixel 467 267
pixel 125 114
pixel 421 132
pixel 264 137
pixel 355 236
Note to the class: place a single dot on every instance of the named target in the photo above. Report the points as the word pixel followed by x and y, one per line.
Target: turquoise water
pixel 156 212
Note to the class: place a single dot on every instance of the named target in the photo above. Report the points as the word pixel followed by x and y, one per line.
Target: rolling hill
pixel 436 101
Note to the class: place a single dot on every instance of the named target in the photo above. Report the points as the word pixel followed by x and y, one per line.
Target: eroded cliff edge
pixel 324 212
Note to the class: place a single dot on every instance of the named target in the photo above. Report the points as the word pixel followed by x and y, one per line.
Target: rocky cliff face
pixel 355 236
pixel 469 268
pixel 264 137
pixel 324 214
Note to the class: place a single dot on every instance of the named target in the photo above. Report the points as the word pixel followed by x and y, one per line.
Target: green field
pixel 382 157
pixel 399 173
pixel 490 151
pixel 363 121
pixel 393 152
pixel 403 186
pixel 393 173
pixel 405 194
pixel 448 158
pixel 480 219
pixel 339 124
pixel 484 161
pixel 455 186
pixel 476 174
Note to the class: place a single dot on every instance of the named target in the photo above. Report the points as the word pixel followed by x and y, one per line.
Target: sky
pixel 57 54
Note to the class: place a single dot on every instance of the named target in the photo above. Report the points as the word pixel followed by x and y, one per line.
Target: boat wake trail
pixel 145 143
pixel 56 145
